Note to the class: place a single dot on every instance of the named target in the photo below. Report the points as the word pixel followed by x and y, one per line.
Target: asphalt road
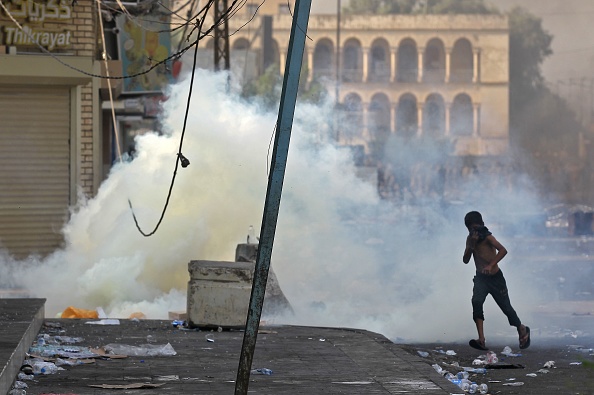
pixel 572 372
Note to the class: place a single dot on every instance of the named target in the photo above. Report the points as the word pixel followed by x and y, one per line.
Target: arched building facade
pixel 445 76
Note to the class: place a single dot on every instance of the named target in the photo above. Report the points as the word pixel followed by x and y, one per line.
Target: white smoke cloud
pixel 342 256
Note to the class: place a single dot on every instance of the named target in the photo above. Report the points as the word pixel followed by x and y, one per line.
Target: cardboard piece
pixel 125 386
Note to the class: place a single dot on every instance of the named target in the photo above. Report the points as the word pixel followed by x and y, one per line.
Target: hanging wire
pixel 180 157
pixel 228 13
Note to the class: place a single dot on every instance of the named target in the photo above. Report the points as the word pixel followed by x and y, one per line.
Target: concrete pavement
pixel 304 360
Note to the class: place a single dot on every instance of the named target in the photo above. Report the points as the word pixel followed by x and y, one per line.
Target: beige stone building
pixel 444 76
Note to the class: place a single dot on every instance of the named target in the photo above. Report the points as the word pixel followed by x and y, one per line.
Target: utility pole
pixel 278 164
pixel 338 76
pixel 337 87
pixel 221 36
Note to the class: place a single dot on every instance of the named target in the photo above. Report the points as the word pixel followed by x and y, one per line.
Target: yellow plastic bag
pixel 73 312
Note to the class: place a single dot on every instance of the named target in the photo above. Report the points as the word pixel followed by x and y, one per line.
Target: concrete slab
pixel 20 321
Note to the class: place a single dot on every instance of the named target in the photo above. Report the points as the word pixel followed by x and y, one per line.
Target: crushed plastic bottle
pixel 465 385
pixel 484 389
pixel 423 354
pixel 456 382
pixel 473 388
pixel 19 385
pixel 463 375
pixel 23 376
pixel 476 370
pixel 507 351
pixel 449 376
pixel 492 357
pixel 264 371
pixel 438 369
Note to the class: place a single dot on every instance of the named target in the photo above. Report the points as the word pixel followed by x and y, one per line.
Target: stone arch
pixel 434 116
pixel 241 44
pixel 379 61
pixel 352 61
pixel 434 61
pixel 461 61
pixel 379 115
pixel 353 122
pixel 461 116
pixel 407 64
pixel 323 58
pixel 407 115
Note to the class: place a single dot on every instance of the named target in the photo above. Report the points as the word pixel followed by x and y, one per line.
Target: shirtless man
pixel 487 253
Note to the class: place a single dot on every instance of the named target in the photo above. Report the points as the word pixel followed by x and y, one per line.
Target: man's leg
pixel 479 294
pixel 480 330
pixel 501 296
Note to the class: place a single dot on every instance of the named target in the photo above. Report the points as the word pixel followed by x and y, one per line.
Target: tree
pixel 459 7
pixel 419 6
pixel 380 7
pixel 529 45
pixel 267 87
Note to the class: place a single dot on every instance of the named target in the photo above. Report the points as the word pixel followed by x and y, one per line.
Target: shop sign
pixel 143 45
pixel 33 16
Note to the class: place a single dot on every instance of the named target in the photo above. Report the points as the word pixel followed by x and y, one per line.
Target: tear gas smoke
pixel 343 257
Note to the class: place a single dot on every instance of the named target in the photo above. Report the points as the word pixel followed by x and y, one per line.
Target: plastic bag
pixel 144 350
pixel 73 312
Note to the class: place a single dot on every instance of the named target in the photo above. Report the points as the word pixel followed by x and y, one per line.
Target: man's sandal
pixel 474 343
pixel 525 340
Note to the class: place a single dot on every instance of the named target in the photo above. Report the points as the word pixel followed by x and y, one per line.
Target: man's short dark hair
pixel 473 218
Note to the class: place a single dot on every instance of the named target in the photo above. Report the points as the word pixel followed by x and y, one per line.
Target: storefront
pixel 49 145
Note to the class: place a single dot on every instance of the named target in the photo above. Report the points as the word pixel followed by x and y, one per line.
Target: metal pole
pixel 280 152
pixel 337 50
pixel 338 77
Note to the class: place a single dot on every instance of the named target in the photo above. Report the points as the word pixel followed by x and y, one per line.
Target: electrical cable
pixel 180 157
pixel 153 65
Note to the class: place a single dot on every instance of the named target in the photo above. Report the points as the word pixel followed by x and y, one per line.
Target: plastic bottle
pixel 251 236
pixel 465 386
pixel 473 388
pixel 483 389
pixel 462 375
pixel 44 368
pixel 177 323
